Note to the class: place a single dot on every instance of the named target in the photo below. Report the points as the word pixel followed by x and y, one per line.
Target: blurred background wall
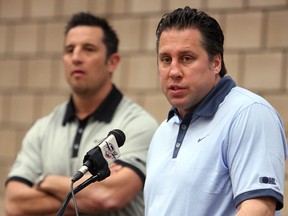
pixel 31 42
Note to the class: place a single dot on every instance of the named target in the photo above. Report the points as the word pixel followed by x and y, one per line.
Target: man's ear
pixel 113 62
pixel 217 63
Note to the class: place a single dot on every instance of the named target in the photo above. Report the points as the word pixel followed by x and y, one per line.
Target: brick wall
pixel 31 37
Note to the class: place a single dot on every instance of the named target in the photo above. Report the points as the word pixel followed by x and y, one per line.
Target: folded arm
pixel 21 199
pixel 111 194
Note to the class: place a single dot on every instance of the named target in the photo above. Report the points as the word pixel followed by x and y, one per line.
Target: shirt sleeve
pixel 27 166
pixel 256 154
pixel 139 132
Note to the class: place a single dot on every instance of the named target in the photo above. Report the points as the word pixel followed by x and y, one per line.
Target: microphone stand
pixel 102 174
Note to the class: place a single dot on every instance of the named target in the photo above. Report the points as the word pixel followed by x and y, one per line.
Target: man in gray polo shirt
pixel 54 148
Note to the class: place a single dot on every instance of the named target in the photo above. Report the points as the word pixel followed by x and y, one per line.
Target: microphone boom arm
pixel 102 174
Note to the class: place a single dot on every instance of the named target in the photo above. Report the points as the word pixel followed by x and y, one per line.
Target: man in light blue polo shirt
pixel 222 149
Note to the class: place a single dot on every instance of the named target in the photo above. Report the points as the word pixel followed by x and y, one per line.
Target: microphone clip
pixel 96 163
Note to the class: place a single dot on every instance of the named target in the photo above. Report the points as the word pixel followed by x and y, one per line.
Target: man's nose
pixel 175 70
pixel 77 56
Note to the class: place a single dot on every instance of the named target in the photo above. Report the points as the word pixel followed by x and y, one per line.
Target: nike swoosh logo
pixel 200 139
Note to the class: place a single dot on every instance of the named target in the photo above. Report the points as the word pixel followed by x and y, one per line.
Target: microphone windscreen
pixel 119 136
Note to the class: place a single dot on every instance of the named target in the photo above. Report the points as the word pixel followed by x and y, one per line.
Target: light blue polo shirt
pixel 229 149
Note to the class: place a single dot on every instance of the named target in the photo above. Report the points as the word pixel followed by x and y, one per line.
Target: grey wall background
pixel 31 74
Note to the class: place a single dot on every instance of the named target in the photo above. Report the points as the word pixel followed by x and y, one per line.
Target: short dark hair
pixel 211 32
pixel 110 39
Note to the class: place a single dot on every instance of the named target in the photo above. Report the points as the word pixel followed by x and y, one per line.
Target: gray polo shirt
pixel 57 143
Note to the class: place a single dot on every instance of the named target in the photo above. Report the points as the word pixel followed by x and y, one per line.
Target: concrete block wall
pixel 31 42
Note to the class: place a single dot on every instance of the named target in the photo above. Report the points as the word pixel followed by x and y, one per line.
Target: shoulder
pixel 240 99
pixel 245 97
pixel 55 118
pixel 135 121
pixel 133 112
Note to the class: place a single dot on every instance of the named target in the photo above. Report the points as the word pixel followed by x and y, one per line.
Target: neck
pixel 87 104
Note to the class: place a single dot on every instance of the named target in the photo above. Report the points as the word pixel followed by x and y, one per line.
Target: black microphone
pixel 96 160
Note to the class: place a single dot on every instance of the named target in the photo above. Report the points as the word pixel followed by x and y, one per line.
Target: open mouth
pixel 174 88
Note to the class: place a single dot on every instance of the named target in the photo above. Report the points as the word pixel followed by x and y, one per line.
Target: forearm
pixel 58 186
pixel 111 194
pixel 108 195
pixel 21 199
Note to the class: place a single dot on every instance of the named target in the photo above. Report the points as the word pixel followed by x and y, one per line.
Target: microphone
pixel 97 159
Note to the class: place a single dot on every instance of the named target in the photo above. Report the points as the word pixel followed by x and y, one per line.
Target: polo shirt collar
pixel 209 105
pixel 103 113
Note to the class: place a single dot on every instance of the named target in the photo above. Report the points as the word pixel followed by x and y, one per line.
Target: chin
pixel 177 103
pixel 80 90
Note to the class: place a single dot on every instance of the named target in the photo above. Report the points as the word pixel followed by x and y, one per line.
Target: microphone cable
pixel 74 199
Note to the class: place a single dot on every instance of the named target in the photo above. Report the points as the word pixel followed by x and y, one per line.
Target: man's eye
pixel 165 59
pixel 186 59
pixel 68 50
pixel 89 49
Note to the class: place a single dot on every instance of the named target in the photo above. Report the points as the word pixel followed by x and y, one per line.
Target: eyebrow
pixel 188 51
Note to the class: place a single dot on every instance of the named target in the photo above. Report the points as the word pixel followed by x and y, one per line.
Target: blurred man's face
pixel 85 60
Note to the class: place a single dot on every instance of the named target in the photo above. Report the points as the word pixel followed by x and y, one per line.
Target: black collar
pixel 209 105
pixel 103 113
